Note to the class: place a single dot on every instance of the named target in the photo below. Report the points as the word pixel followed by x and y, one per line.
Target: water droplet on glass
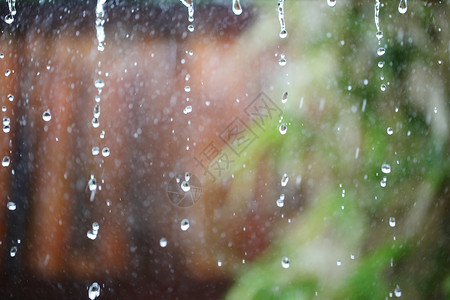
pixel 92 183
pixel 94 291
pixel 389 130
pixel 106 152
pixel 7 72
pixel 185 186
pixel 99 83
pixel 397 292
pixel 95 150
pixel 6 161
pixel 185 224
pixel 380 64
pixel 385 168
pixel 280 201
pixel 282 60
pixel 187 109
pixel 283 32
pixel 284 97
pixel 46 116
pixel 95 122
pixel 282 128
pixel 187 89
pixel 381 51
pixel 382 87
pixel 2 55
pixel 284 179
pixel 9 19
pixel 95 226
pixel 97 110
pixel 3 108
pixel 187 176
pixel 13 251
pixel 191 28
pixel 352 256
pixel 331 3
pixel 237 9
pixel 383 182
pixel 379 34
pixel 285 262
pixel 6 128
pixel 392 221
pixel 6 121
pixel 163 242
pixel 339 262
pixel 402 6
pixel 11 205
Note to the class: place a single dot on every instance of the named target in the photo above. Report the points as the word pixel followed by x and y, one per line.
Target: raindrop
pixel 331 3
pixel 403 6
pixel 6 128
pixel 284 179
pixel 280 201
pixel 380 64
pixel 95 226
pixel 185 224
pixel 237 8
pixel 97 110
pixel 46 116
pixel 284 98
pixel 379 35
pixel 382 87
pixel 6 161
pixel 187 176
pixel 6 121
pixel 187 109
pixel 389 130
pixel 282 60
pixel 397 292
pixel 283 32
pixel 3 108
pixel 102 134
pixel 282 128
pixel 94 291
pixel 339 262
pixel 352 256
pixel 392 221
pixel 383 182
pixel 385 168
pixel 99 83
pixel 219 263
pixel 187 89
pixel 191 27
pixel 381 51
pixel 95 150
pixel 377 15
pixel 13 251
pixel 106 152
pixel 285 262
pixel 7 72
pixel 92 183
pixel 185 186
pixel 163 242
pixel 95 122
pixel 11 205
pixel 92 234
pixel 9 19
pixel 2 55
pixel 11 97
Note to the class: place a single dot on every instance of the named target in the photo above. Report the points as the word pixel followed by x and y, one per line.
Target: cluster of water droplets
pixel 190 6
pixel 9 18
pixel 381 50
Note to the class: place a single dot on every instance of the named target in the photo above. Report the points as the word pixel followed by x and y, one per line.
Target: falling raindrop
pixel 403 6
pixel 91 234
pixel 377 15
pixel 9 19
pixel 282 128
pixel 6 121
pixel 380 64
pixel 382 87
pixel 11 205
pixel 282 60
pixel 7 72
pixel 95 122
pixel 163 242
pixel 392 221
pixel 284 98
pixel 187 89
pixel 383 182
pixel 99 83
pixel 284 179
pixel 92 183
pixel 6 128
pixel 46 116
pixel 381 51
pixel 94 291
pixel 6 161
pixel 97 110
pixel 285 262
pixel 331 3
pixel 280 201
pixel 187 176
pixel 283 32
pixel 185 186
pixel 187 109
pixel 191 28
pixel 106 152
pixel 11 97
pixel 385 168
pixel 379 35
pixel 13 251
pixel 237 8
pixel 95 150
pixel 397 291
pixel 338 262
pixel 185 224
pixel 389 130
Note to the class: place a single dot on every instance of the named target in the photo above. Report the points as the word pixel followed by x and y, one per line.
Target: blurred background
pixel 227 160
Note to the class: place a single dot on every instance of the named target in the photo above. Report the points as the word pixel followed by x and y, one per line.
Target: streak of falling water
pixel 190 6
pixel 377 17
pixel 237 8
pixel 403 6
pixel 9 18
pixel 283 32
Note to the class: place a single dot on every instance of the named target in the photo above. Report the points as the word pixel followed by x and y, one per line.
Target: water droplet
pixel 9 19
pixel 187 109
pixel 6 128
pixel 2 55
pixel 3 108
pixel 92 183
pixel 187 89
pixel 382 87
pixel 285 262
pixel 385 168
pixel 6 121
pixel 191 28
pixel 397 292
pixel 7 72
pixel 282 128
pixel 284 179
pixel 95 150
pixel 284 97
pixel 99 83
pixel 94 291
pixel 91 234
pixel 280 201
pixel 185 186
pixel 379 35
pixel 282 60
pixel 283 32
pixel 380 64
pixel 11 205
pixel 6 161
pixel 187 176
pixel 46 116
pixel 185 224
pixel 106 152
pixel 339 262
pixel 383 182
pixel 102 134
pixel 402 6
pixel 392 221
pixel 237 8
pixel 97 110
pixel 95 226
pixel 352 256
pixel 163 242
pixel 389 130
pixel 13 251
pixel 95 122
pixel 381 51
pixel 331 3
